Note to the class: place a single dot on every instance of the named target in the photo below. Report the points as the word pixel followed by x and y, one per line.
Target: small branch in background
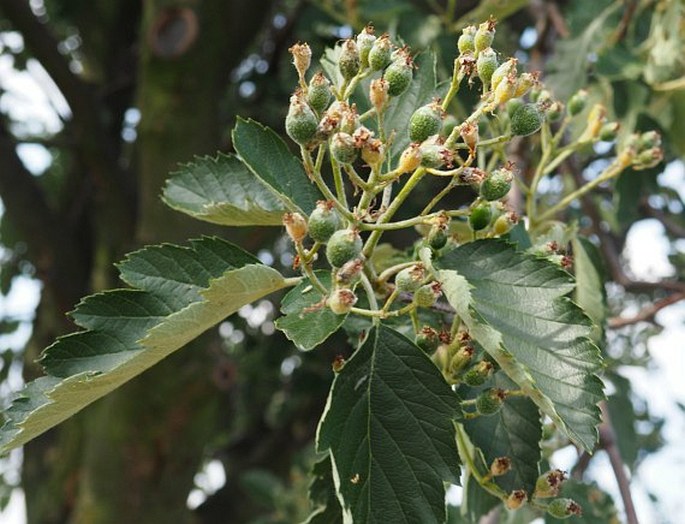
pixel 557 19
pixel 669 224
pixel 607 441
pixel 609 249
pixel 647 314
pixel 581 466
pixel 623 25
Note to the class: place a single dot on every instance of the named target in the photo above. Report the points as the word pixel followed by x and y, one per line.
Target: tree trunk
pixel 132 456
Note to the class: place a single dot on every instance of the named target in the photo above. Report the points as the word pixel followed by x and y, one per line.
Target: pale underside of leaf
pixel 389 427
pixel 515 305
pixel 128 331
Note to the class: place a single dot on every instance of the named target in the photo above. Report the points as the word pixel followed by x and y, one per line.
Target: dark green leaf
pixel 514 431
pixel 224 191
pixel 514 305
pixel 622 415
pixel 308 321
pixel 322 494
pixel 389 427
pixel 268 157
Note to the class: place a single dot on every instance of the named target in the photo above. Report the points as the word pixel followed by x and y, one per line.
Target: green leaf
pixel 598 506
pixel 400 109
pixel 514 431
pixel 269 158
pixel 389 427
pixel 514 305
pixel 590 293
pixel 477 502
pixel 307 321
pixel 181 292
pixel 222 190
pixel 322 494
pixel 568 71
pixel 623 419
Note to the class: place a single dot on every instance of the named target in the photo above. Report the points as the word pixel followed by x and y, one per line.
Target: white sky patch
pixel 35 157
pixel 647 250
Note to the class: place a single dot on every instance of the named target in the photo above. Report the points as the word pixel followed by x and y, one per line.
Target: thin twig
pixel 646 314
pixel 607 440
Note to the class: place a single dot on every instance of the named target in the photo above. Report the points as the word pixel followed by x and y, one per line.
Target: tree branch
pixel 44 47
pixel 51 247
pixel 610 251
pixel 647 313
pixel 669 224
pixel 96 147
pixel 607 440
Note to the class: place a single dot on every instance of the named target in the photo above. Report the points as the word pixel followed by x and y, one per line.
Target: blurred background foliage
pixel 99 100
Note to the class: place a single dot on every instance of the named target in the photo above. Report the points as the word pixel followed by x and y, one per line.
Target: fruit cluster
pixel 371 172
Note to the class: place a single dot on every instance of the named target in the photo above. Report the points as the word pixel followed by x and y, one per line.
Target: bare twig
pixel 610 251
pixel 669 224
pixel 623 25
pixel 646 314
pixel 607 440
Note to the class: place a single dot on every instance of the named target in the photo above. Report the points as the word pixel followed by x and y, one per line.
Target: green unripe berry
pixel 649 140
pixel 399 74
pixel 449 124
pixel 300 122
pixel 425 122
pixel 497 185
pixel 480 217
pixel 484 35
pixel 410 278
pixel 490 401
pixel 365 41
pixel 435 155
pixel 564 508
pixel 342 301
pixel 577 102
pixel 554 111
pixel 380 54
pixel 526 120
pixel 460 359
pixel 513 105
pixel 486 65
pixel 343 246
pixel 323 222
pixel 549 484
pixel 466 43
pixel 319 92
pixel 438 236
pixel 609 131
pixel 349 61
pixel 427 339
pixel 478 374
pixel 427 294
pixel 344 148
